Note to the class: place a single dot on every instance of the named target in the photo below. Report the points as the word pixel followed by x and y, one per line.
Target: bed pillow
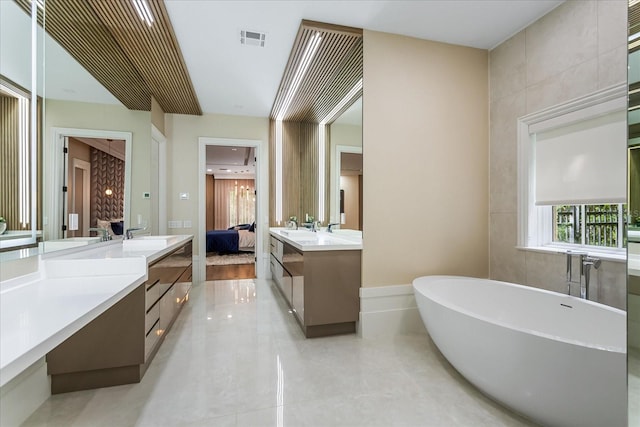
pixel 240 227
pixel 117 227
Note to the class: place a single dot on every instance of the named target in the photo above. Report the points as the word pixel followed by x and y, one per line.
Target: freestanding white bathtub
pixel 556 359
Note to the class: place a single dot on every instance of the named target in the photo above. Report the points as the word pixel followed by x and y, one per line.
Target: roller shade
pixel 582 163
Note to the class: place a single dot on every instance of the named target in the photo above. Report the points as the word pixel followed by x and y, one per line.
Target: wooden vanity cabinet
pixel 321 287
pixel 118 346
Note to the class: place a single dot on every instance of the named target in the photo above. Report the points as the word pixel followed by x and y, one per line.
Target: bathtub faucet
pixel 587 263
pixel 570 255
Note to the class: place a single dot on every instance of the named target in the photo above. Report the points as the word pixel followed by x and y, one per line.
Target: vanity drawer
pixel 151 317
pixel 152 295
pixel 276 270
pixel 152 338
pixel 276 248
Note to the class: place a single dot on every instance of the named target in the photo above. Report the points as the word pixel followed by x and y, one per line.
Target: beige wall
pixel 576 49
pixel 157 115
pixel 425 151
pixel 81 115
pixel 182 132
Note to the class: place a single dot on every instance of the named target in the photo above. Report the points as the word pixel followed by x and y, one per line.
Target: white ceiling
pixel 234 79
pixel 230 162
pixel 230 78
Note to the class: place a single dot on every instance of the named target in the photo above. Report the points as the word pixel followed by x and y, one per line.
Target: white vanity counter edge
pixel 319 241
pixel 40 310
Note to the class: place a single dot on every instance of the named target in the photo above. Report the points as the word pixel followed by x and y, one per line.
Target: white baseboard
pixel 21 396
pixel 388 311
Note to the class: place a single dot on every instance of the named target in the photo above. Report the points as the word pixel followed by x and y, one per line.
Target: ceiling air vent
pixel 252 38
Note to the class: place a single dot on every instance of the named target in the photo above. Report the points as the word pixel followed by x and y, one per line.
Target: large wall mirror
pixel 21 59
pixel 346 168
pixel 322 80
pixel 633 234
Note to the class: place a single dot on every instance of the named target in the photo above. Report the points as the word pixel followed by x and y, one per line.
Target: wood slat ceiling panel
pixel 77 28
pixel 335 68
pixel 346 77
pixel 154 52
pixel 130 59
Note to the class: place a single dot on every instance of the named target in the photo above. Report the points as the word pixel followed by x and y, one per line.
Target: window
pixel 242 202
pixel 571 182
pixel 590 225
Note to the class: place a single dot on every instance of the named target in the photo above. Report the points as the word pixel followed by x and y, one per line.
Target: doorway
pixel 230 212
pixel 241 191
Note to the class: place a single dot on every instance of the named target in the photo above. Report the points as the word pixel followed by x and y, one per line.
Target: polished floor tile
pixel 236 357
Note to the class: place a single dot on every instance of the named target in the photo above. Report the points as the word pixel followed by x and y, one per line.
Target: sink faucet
pixel 587 263
pixel 105 234
pixel 329 227
pixel 129 233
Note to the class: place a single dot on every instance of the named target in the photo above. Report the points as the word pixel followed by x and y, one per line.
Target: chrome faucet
pixel 129 233
pixel 329 227
pixel 570 255
pixel 105 234
pixel 587 263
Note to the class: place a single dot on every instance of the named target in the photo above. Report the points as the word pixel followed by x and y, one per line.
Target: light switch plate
pixel 175 224
pixel 146 195
pixel 186 223
pixel 184 196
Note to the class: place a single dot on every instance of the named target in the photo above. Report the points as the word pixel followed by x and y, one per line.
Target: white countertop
pixel 41 310
pixel 305 240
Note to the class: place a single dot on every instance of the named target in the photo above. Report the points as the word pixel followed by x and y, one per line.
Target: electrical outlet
pixel 184 196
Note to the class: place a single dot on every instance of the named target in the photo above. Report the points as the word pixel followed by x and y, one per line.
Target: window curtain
pixel 234 202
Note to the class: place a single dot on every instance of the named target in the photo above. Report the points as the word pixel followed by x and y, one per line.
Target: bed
pixel 234 240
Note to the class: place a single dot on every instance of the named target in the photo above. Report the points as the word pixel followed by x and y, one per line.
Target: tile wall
pixel 576 49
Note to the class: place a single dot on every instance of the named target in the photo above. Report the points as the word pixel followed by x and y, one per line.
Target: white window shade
pixel 582 163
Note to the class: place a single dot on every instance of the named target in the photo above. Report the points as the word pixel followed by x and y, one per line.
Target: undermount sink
pixel 299 234
pixel 143 243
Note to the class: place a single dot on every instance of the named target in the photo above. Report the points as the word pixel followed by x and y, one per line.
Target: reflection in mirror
pixel 19 132
pixel 346 168
pixel 95 173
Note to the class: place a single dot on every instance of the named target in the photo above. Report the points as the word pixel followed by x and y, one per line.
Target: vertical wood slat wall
pixel 300 163
pixel 309 163
pixel 9 202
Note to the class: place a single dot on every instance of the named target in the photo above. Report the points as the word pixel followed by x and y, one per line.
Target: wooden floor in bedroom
pixel 231 272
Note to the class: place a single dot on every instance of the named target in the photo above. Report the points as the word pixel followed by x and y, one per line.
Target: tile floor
pixel 236 357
